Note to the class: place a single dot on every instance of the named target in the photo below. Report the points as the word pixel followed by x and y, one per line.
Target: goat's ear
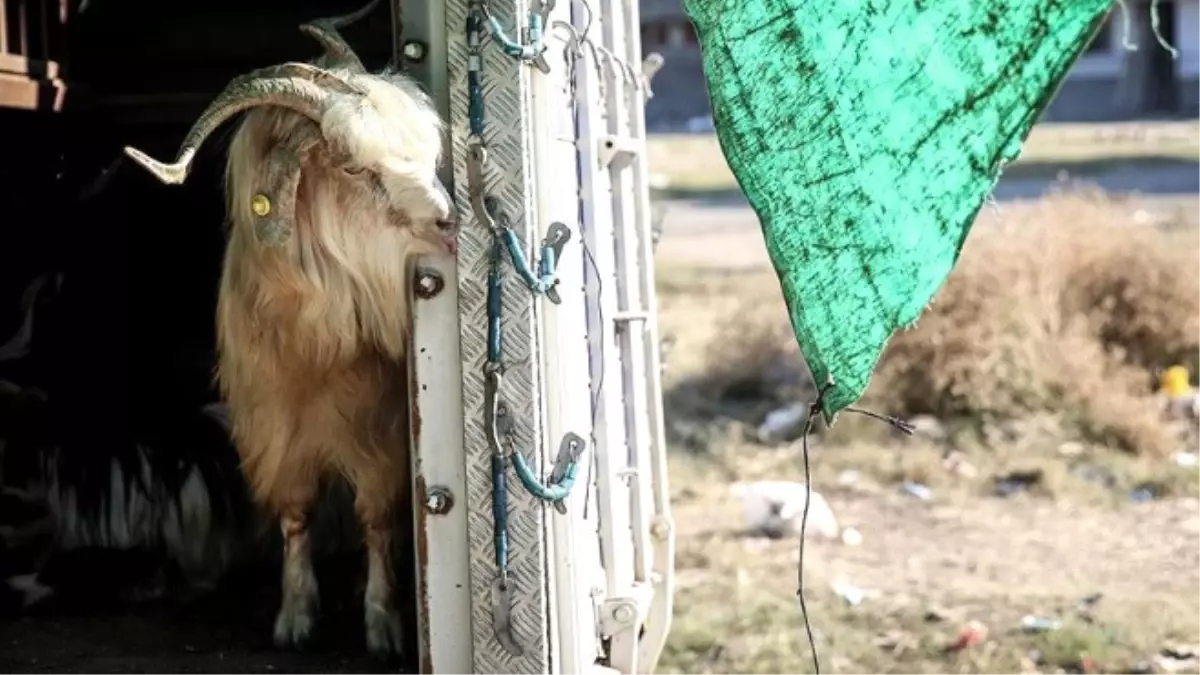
pixel 274 203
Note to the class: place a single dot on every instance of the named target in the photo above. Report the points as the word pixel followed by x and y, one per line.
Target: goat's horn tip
pixel 171 174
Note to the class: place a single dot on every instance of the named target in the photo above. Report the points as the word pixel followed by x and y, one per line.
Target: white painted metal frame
pixel 590 365
pixel 574 546
pixel 655 536
pixel 439 479
pixel 439 463
pixel 613 496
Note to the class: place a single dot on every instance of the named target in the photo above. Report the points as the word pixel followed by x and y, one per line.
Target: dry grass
pixel 694 163
pixel 1039 357
pixel 1068 310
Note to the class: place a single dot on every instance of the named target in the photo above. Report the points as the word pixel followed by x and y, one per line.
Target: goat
pixel 332 195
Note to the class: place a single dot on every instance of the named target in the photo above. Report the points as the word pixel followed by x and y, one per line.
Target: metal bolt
pixel 429 283
pixel 623 613
pixel 415 51
pixel 439 501
pixel 659 529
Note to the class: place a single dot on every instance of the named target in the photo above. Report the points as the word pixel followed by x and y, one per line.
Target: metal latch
pixel 618 152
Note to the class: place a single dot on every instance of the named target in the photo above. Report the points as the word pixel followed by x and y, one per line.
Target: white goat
pixel 332 195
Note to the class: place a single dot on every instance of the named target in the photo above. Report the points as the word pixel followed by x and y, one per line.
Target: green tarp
pixel 866 134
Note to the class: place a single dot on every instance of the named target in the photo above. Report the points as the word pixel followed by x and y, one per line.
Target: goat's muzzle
pixel 449 231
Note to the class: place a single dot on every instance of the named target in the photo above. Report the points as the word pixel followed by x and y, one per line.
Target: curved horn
pixel 337 51
pixel 298 86
pixel 274 199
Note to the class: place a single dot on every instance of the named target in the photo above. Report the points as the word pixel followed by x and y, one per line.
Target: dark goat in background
pixel 110 437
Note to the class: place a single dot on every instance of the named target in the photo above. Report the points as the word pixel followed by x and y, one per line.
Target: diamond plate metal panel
pixel 506 91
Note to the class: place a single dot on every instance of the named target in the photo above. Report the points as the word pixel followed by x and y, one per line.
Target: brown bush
pixel 1071 309
pixel 1064 307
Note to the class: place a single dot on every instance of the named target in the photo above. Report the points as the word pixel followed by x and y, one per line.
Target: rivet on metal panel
pixel 439 500
pixel 623 613
pixel 660 528
pixel 415 51
pixel 429 283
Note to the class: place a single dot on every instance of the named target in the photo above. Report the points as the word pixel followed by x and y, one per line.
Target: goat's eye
pixel 353 170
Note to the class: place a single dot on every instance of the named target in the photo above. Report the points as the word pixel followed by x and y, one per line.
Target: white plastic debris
pixel 848 477
pixel 1186 459
pixel 853 595
pixel 1037 624
pixel 917 490
pixel 782 423
pixel 774 508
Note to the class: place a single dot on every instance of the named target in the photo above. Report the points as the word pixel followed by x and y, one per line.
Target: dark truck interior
pixel 121 351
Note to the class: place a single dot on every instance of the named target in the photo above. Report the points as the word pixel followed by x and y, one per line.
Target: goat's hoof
pixel 385 633
pixel 294 625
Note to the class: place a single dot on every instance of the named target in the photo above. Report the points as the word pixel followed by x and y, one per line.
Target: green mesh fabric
pixel 866 135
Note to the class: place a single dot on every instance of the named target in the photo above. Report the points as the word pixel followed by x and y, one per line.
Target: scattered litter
pixel 774 509
pixel 1090 473
pixel 1087 605
pixel 1037 624
pixel 1071 449
pixel 1186 459
pixel 972 634
pixel 1145 492
pixel 917 490
pixel 853 595
pixel 848 477
pixel 852 537
pixel 1177 659
pixel 1141 496
pixel 782 423
pixel 935 615
pixel 927 426
pixel 1179 399
pixel 1017 481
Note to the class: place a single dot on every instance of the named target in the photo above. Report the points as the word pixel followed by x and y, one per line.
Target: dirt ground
pixel 928 569
pixel 228 631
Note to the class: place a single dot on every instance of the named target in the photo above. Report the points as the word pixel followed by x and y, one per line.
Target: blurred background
pixel 1044 516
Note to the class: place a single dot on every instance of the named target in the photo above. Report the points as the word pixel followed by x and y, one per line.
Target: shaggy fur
pixel 175 499
pixel 312 335
pixel 163 488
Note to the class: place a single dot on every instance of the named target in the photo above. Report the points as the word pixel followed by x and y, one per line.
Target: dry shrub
pixel 1069 309
pixel 754 355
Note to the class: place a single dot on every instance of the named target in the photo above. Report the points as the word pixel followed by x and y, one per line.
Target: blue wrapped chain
pixel 498 420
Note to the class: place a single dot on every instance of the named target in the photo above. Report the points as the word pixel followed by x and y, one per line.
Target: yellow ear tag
pixel 261 205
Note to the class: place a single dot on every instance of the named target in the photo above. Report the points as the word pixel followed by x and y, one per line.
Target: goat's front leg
pixel 375 495
pixel 298 611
